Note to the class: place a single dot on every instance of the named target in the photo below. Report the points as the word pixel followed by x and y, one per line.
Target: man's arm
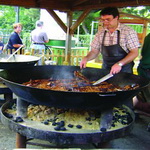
pixel 46 39
pixel 17 45
pixel 129 58
pixel 90 56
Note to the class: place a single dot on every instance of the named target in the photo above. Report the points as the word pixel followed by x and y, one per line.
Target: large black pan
pixel 14 77
pixel 17 61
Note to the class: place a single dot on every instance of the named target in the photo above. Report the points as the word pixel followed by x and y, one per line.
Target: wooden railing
pixel 77 56
pixel 56 55
pixel 7 51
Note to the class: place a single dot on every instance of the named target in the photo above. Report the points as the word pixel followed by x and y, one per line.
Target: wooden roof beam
pixel 120 4
pixel 18 3
pixel 47 4
pixel 133 16
pixel 79 20
pixel 78 2
pixel 132 21
pixel 58 20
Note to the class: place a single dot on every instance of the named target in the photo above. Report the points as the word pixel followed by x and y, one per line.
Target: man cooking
pixel 117 43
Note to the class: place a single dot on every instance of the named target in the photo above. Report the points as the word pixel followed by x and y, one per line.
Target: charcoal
pixel 46 122
pixel 57 128
pixel 8 115
pixel 103 129
pixel 62 128
pixel 18 119
pixel 54 124
pixel 79 126
pixel 70 125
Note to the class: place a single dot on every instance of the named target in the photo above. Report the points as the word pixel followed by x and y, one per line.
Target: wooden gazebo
pixel 69 6
pixel 138 21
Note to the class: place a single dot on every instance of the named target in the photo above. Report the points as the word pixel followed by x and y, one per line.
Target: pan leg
pixel 20 141
pixel 22 107
pixel 101 145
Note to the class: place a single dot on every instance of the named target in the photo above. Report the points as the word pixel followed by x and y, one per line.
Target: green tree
pixel 85 26
pixel 27 17
pixel 142 11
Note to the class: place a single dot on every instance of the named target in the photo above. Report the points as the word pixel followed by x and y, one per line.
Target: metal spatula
pixel 14 53
pixel 108 76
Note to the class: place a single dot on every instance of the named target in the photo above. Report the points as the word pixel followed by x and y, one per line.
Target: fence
pixel 58 55
pixel 7 51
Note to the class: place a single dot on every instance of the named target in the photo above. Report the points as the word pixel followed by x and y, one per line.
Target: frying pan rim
pixel 35 58
pixel 30 87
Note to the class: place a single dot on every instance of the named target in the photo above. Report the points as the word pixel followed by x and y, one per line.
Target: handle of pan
pixel 106 94
pixel 14 52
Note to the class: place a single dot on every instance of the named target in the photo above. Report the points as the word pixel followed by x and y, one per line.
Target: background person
pixel 1 45
pixel 117 43
pixel 15 41
pixel 39 38
pixel 142 100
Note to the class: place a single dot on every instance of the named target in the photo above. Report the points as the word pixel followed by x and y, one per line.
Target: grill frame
pixel 64 137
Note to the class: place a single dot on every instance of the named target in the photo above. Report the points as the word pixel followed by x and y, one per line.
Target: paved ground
pixel 138 139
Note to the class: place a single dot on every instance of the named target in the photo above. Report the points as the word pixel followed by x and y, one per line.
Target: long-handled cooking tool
pixel 108 76
pixel 80 75
pixel 14 53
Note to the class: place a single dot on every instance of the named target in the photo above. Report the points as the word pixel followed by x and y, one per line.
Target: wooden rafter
pixel 58 20
pixel 133 16
pixel 78 2
pixel 74 5
pixel 112 3
pixel 80 19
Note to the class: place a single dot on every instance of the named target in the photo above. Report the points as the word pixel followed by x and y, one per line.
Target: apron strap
pixel 118 37
pixel 104 37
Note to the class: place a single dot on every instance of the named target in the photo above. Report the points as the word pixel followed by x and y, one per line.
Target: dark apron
pixel 113 54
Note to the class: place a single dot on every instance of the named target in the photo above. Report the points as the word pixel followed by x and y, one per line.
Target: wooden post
pixel 144 30
pixel 68 40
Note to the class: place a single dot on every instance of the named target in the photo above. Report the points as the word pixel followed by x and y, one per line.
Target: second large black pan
pixel 14 77
pixel 17 61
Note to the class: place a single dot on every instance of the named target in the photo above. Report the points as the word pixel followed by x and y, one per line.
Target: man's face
pixel 18 29
pixel 109 21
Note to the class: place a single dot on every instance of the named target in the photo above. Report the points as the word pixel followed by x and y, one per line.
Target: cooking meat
pixel 77 84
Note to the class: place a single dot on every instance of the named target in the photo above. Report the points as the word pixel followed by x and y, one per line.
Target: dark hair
pixel 110 11
pixel 39 23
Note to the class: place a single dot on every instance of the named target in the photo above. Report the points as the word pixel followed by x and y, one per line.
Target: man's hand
pixel 23 45
pixel 91 55
pixel 83 63
pixel 116 68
